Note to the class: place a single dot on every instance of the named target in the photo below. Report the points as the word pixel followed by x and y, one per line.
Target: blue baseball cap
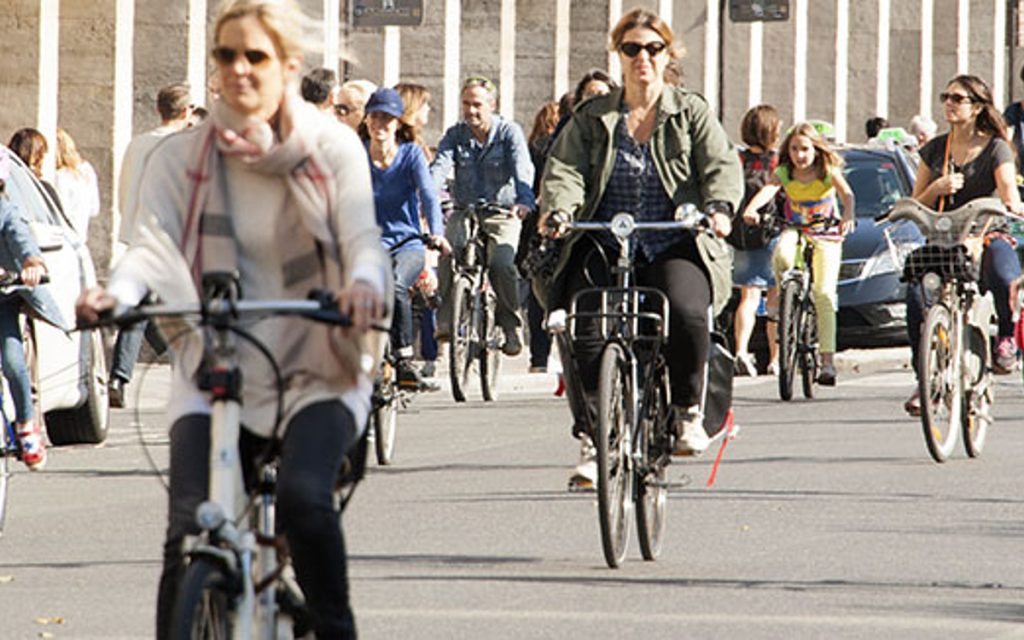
pixel 387 101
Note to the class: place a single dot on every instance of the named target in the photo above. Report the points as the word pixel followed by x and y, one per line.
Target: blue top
pixel 397 194
pixel 498 171
pixel 16 246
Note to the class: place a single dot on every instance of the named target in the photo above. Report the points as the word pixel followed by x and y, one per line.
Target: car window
pixel 876 184
pixel 26 193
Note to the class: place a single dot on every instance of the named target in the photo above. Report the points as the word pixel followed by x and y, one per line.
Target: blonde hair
pixel 643 19
pixel 359 91
pixel 67 153
pixel 283 20
pixel 414 97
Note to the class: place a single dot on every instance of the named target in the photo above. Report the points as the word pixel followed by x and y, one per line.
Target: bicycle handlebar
pixel 321 306
pixel 425 238
pixel 481 209
pixel 12 279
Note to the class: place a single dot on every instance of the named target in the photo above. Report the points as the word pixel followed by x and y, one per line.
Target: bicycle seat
pixel 948 227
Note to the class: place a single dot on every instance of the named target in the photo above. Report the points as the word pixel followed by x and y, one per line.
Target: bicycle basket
pixel 634 313
pixel 949 262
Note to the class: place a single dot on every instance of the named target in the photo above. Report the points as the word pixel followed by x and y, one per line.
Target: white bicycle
pixel 238 583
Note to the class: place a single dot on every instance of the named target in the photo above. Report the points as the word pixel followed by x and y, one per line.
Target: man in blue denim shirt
pixel 492 163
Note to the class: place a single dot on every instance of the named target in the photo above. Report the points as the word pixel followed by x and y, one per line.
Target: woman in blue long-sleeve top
pixel 18 252
pixel 401 185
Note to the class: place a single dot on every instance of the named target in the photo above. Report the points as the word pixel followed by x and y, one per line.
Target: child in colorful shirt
pixel 811 176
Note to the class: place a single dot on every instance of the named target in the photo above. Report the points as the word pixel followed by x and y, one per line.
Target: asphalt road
pixel 828 519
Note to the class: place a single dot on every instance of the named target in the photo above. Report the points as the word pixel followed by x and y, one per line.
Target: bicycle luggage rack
pixel 628 307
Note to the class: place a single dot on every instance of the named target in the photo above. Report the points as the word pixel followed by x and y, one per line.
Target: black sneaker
pixel 115 393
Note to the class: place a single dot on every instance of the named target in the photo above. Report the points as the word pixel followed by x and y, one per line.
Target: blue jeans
pixel 999 267
pixel 12 350
pixel 407 267
pixel 127 347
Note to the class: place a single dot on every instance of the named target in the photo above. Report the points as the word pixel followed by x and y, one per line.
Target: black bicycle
pixel 633 434
pixel 389 395
pixel 798 324
pixel 476 337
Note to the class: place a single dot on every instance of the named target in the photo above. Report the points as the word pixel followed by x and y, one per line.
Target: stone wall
pixel 159 28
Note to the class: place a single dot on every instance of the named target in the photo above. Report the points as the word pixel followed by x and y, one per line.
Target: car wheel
pixel 88 422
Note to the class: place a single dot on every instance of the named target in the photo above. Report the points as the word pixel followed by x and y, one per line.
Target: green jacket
pixel 693 155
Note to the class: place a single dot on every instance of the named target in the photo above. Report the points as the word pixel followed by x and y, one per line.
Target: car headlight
pixel 879 264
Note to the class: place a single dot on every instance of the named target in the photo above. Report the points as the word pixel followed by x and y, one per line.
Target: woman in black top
pixel 974 160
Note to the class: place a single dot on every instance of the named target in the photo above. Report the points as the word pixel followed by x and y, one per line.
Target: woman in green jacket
pixel 646 148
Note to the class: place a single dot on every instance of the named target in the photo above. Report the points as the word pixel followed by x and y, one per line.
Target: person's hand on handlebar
pixel 32 271
pixel 362 304
pixel 520 211
pixel 440 244
pixel 552 224
pixel 92 303
pixel 719 218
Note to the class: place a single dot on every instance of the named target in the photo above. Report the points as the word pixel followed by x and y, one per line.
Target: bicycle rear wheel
pixel 809 349
pixel 490 352
pixel 614 476
pixel 460 356
pixel 652 473
pixel 204 610
pixel 976 415
pixel 8 452
pixel 385 416
pixel 789 336
pixel 937 384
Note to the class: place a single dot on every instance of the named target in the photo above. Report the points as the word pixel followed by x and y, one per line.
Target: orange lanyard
pixel 945 168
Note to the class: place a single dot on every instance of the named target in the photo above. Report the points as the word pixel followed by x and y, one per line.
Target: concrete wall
pixel 963 33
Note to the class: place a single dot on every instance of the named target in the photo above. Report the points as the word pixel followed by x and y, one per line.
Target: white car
pixel 68 369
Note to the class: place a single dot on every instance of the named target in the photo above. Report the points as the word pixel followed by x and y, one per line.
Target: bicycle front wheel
pixel 613 444
pixel 8 451
pixel 652 473
pixel 809 349
pixel 460 352
pixel 385 416
pixel 938 385
pixel 205 603
pixel 789 336
pixel 490 353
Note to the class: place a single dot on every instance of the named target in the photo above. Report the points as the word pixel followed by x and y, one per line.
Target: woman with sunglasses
pixel 974 160
pixel 277 191
pixel 646 148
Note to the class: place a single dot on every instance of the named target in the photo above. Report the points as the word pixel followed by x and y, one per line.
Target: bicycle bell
pixel 623 225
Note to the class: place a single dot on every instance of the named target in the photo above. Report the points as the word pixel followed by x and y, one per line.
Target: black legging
pixel 317 439
pixel 681 275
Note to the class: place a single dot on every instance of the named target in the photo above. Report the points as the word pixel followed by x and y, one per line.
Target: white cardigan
pixel 262 220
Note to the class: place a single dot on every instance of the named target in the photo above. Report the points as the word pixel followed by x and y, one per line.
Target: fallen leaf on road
pixel 4 579
pixel 50 620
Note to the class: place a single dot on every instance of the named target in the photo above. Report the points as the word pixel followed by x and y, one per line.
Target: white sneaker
pixel 693 440
pixel 584 474
pixel 745 365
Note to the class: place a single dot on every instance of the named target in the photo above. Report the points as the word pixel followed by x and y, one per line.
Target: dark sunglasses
pixel 227 55
pixel 342 110
pixel 633 49
pixel 955 98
